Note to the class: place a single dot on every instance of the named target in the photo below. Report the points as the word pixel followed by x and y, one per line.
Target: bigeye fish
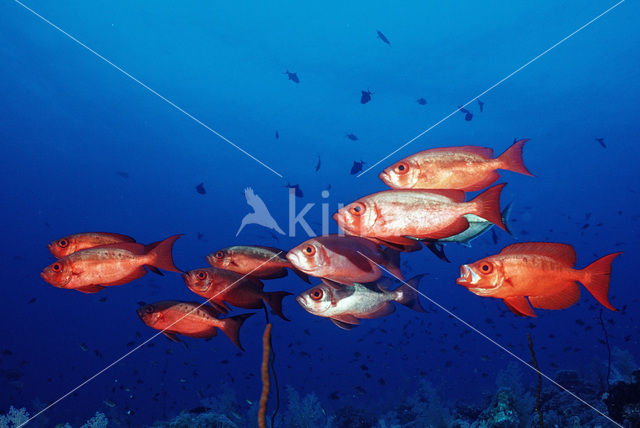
pixel 257 261
pixel 70 244
pixel 92 269
pixel 538 274
pixel 190 319
pixel 221 286
pixel 468 168
pixel 344 259
pixel 345 306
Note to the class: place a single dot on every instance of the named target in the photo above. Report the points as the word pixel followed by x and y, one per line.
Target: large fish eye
pixel 309 250
pixel 149 309
pixel 486 267
pixel 219 255
pixel 56 267
pixel 63 243
pixel 401 168
pixel 201 275
pixel 357 209
pixel 316 293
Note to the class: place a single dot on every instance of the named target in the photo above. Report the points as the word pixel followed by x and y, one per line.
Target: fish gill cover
pixel 161 160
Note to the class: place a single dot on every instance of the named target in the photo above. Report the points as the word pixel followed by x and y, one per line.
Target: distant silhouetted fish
pixel 352 137
pixel 298 191
pixel 357 167
pixel 200 236
pixel 467 114
pixel 601 141
pixel 318 165
pixel 277 135
pixel 200 189
pixel 123 174
pixel 422 101
pixel 481 105
pixel 383 37
pixel 365 97
pixel 292 76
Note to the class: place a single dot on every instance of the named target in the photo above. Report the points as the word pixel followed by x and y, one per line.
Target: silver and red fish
pixel 92 269
pixel 190 319
pixel 221 287
pixel 345 306
pixel 70 244
pixel 344 259
pixel 400 217
pixel 258 261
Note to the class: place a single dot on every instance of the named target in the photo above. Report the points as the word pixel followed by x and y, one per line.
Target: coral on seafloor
pixel 623 401
pixel 502 413
pixel 16 417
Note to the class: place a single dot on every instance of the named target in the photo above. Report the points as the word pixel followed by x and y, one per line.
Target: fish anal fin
pixel 171 336
pixel 90 289
pixel 563 253
pixel 387 309
pixel 346 318
pixel 278 274
pixel 519 306
pixel 137 273
pixel 487 181
pixel 563 299
pixel 343 325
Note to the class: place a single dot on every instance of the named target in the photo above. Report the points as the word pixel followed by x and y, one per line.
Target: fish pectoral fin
pixel 387 309
pixel 566 297
pixel 519 306
pixel 90 288
pixel 343 325
pixel 137 273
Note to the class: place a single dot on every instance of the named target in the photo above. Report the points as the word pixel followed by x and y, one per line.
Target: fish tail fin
pixel 231 327
pixel 596 279
pixel 488 205
pixel 407 294
pixel 161 256
pixel 274 300
pixel 392 258
pixel 511 159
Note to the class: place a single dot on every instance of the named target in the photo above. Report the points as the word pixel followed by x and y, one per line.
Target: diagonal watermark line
pixel 498 83
pixel 171 103
pixel 508 351
pixel 144 343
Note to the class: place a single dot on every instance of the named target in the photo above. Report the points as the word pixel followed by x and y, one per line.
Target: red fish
pixel 221 286
pixel 467 168
pixel 402 216
pixel 70 244
pixel 92 269
pixel 344 259
pixel 260 262
pixel 540 271
pixel 190 319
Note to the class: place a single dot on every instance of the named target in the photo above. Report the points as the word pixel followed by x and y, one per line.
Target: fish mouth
pixel 293 258
pixel 384 176
pixel 301 301
pixel 467 276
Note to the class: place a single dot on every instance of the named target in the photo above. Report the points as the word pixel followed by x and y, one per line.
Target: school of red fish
pixel 426 205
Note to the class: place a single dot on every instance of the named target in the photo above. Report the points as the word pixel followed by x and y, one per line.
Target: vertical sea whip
pixel 266 350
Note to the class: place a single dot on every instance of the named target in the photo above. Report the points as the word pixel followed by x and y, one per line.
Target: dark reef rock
pixel 623 401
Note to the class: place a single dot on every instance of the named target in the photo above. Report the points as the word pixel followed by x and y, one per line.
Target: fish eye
pixel 486 267
pixel 357 209
pixel 316 294
pixel 219 255
pixel 57 267
pixel 149 309
pixel 401 168
pixel 63 243
pixel 309 250
pixel 201 275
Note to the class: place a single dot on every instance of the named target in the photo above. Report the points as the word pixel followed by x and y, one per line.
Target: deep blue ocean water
pixel 86 148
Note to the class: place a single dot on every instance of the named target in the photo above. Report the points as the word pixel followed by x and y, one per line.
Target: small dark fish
pixel 200 189
pixel 200 236
pixel 7 352
pixel 102 299
pixel 601 141
pixel 365 97
pixel 277 135
pixel 481 105
pixel 494 236
pixel 318 165
pixel 467 114
pixel 292 76
pixel 141 303
pixel 422 101
pixel 383 37
pixel 199 410
pixel 298 192
pixel 352 137
pixel 33 300
pixel 357 167
pixel 123 174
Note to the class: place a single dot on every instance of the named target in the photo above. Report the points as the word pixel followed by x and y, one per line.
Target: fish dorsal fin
pixel 519 306
pixel 563 253
pixel 563 299
pixel 454 195
pixel 485 152
pixel 343 325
